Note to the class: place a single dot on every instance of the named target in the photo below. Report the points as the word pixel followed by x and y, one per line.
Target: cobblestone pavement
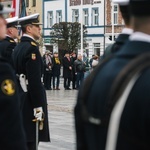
pixel 61 119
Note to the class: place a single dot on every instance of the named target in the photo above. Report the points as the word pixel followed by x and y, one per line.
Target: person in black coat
pixel 92 110
pixel 67 70
pixel 56 71
pixel 28 63
pixel 12 134
pixel 73 58
pixel 8 44
pixel 48 64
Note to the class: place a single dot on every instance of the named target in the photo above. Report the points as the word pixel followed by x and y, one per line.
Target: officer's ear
pixel 29 28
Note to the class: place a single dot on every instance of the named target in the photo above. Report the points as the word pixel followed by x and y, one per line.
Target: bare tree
pixel 67 35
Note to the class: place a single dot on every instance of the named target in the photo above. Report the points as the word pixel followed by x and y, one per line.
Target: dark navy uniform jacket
pixel 27 60
pixel 7 46
pixel 134 130
pixel 11 127
pixel 119 42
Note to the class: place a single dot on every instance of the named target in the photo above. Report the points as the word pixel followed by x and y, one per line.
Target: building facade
pixel 101 18
pixel 34 6
pixel 97 15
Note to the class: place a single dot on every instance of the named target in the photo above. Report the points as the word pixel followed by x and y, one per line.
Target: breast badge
pixel 33 56
pixel 8 87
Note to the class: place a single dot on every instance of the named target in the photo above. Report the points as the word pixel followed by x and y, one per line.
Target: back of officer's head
pixel 140 12
pixel 140 8
pixel 124 9
pixel 125 13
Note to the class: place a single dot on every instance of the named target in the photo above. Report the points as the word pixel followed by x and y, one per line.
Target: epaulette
pixel 33 43
pixel 11 41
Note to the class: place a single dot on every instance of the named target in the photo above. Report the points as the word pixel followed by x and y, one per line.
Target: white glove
pixel 38 112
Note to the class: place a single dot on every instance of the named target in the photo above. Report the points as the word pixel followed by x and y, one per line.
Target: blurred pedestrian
pixel 80 67
pixel 67 70
pixel 95 61
pixel 87 65
pixel 48 64
pixel 56 71
pixel 73 58
pixel 91 60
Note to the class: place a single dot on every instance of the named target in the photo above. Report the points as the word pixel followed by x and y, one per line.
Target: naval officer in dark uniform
pixel 28 62
pixel 91 110
pixel 8 44
pixel 12 134
pixel 126 32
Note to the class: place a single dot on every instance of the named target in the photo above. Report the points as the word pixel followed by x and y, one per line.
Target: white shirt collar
pixel 7 35
pixel 28 36
pixel 127 31
pixel 140 36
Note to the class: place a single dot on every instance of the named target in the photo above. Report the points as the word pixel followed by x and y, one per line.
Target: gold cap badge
pixel 8 87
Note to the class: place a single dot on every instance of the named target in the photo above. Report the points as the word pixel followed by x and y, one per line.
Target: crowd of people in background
pixel 75 69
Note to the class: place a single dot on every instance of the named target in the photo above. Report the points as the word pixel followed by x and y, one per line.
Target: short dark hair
pixel 23 27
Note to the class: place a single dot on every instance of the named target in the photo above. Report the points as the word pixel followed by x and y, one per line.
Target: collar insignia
pixel 11 41
pixel 33 43
pixel 8 87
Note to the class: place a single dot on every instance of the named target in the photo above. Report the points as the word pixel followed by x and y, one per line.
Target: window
pixel 33 3
pixel 59 16
pixel 27 3
pixel 97 49
pixel 75 15
pixel 86 17
pixel 49 19
pixel 95 15
pixel 115 14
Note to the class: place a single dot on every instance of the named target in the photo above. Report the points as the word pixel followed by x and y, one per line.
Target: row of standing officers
pixel 22 95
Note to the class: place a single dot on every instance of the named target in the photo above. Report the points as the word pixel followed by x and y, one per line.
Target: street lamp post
pixel 104 23
pixel 81 21
pixel 112 20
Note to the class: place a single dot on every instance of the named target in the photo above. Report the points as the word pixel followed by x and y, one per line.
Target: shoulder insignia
pixel 8 87
pixel 33 56
pixel 11 41
pixel 33 43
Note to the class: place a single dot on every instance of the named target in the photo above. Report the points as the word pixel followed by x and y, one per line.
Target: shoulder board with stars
pixel 33 43
pixel 11 41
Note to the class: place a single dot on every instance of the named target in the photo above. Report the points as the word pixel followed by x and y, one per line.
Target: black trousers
pixel 31 145
pixel 67 82
pixel 47 78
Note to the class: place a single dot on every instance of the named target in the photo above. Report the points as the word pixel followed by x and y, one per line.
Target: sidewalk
pixel 61 120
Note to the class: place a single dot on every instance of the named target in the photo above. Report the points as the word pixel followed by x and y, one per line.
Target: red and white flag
pixel 15 5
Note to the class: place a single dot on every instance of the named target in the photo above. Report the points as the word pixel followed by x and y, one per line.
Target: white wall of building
pixel 95 33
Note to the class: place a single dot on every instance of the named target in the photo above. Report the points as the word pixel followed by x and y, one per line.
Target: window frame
pixel 50 19
pixel 33 3
pixel 95 16
pixel 86 17
pixel 58 16
pixel 115 13
pixel 75 16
